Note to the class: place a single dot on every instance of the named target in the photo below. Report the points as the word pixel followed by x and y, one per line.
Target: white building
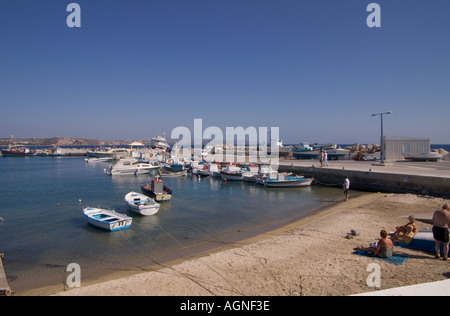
pixel 400 147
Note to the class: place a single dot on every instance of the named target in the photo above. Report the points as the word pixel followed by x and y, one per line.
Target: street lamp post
pixel 381 139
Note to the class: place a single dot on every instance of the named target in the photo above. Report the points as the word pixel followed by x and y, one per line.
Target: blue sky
pixel 312 68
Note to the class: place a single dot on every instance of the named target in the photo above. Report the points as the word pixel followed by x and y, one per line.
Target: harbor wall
pixel 375 181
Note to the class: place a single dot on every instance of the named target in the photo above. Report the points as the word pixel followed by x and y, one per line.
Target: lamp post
pixel 381 139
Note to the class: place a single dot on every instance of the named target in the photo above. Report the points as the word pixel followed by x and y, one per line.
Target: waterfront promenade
pixel 424 178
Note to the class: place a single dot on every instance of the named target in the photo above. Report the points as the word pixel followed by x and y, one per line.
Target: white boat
pixel 141 203
pixel 91 160
pixel 169 174
pixel 289 181
pixel 160 142
pixel 55 152
pixel 131 166
pixel 112 153
pixel 264 172
pixel 249 171
pixel 430 156
pixel 205 171
pixel 208 170
pixel 107 219
pixel 231 172
pixel 337 153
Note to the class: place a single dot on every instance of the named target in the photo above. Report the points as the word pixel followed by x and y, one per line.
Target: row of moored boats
pixel 263 174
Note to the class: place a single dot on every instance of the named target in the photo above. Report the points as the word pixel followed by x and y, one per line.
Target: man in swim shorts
pixel 441 221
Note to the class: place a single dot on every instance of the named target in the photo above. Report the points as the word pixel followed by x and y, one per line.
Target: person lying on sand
pixel 382 249
pixel 405 233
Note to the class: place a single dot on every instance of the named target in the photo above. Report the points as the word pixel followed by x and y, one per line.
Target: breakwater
pixel 410 180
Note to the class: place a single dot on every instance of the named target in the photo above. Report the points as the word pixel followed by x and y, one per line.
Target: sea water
pixel 43 229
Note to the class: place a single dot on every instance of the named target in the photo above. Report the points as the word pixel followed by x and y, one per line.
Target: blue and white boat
pixel 304 151
pixel 290 181
pixel 107 219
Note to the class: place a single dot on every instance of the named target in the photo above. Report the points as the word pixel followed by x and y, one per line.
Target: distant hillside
pixel 61 141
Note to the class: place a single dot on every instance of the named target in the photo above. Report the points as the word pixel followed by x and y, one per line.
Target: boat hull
pixel 159 197
pixel 231 176
pixel 107 219
pixel 132 169
pixel 141 204
pixel 9 153
pixel 424 157
pixel 301 182
pixel 307 154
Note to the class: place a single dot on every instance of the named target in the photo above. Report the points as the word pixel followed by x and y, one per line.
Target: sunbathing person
pixel 382 249
pixel 405 233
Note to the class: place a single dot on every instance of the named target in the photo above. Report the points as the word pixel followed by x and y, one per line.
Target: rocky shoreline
pixel 61 141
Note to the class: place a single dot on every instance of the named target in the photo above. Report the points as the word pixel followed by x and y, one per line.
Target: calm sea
pixel 42 229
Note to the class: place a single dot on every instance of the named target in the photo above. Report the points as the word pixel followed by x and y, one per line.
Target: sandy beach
pixel 310 257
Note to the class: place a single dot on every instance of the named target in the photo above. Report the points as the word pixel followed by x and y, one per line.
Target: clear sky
pixel 313 68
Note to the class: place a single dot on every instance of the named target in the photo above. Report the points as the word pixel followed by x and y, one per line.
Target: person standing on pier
pixel 325 158
pixel 346 187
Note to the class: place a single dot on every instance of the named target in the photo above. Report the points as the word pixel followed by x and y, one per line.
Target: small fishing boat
pixel 305 151
pixel 16 151
pixel 141 203
pixel 231 172
pixel 169 174
pixel 205 171
pixel 91 160
pixel 55 152
pixel 290 181
pixel 107 219
pixel 157 190
pixel 249 171
pixel 208 170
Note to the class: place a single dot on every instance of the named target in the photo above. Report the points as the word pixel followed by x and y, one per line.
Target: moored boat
pixel 16 151
pixel 290 181
pixel 208 170
pixel 160 142
pixel 112 153
pixel 157 190
pixel 231 172
pixel 141 203
pixel 107 219
pixel 131 166
pixel 169 174
pixel 90 160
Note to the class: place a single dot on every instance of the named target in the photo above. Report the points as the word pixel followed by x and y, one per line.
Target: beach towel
pixel 395 259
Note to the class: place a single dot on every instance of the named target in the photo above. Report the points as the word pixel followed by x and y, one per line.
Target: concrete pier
pixel 425 178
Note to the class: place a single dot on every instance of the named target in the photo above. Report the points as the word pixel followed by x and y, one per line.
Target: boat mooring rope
pixel 317 182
